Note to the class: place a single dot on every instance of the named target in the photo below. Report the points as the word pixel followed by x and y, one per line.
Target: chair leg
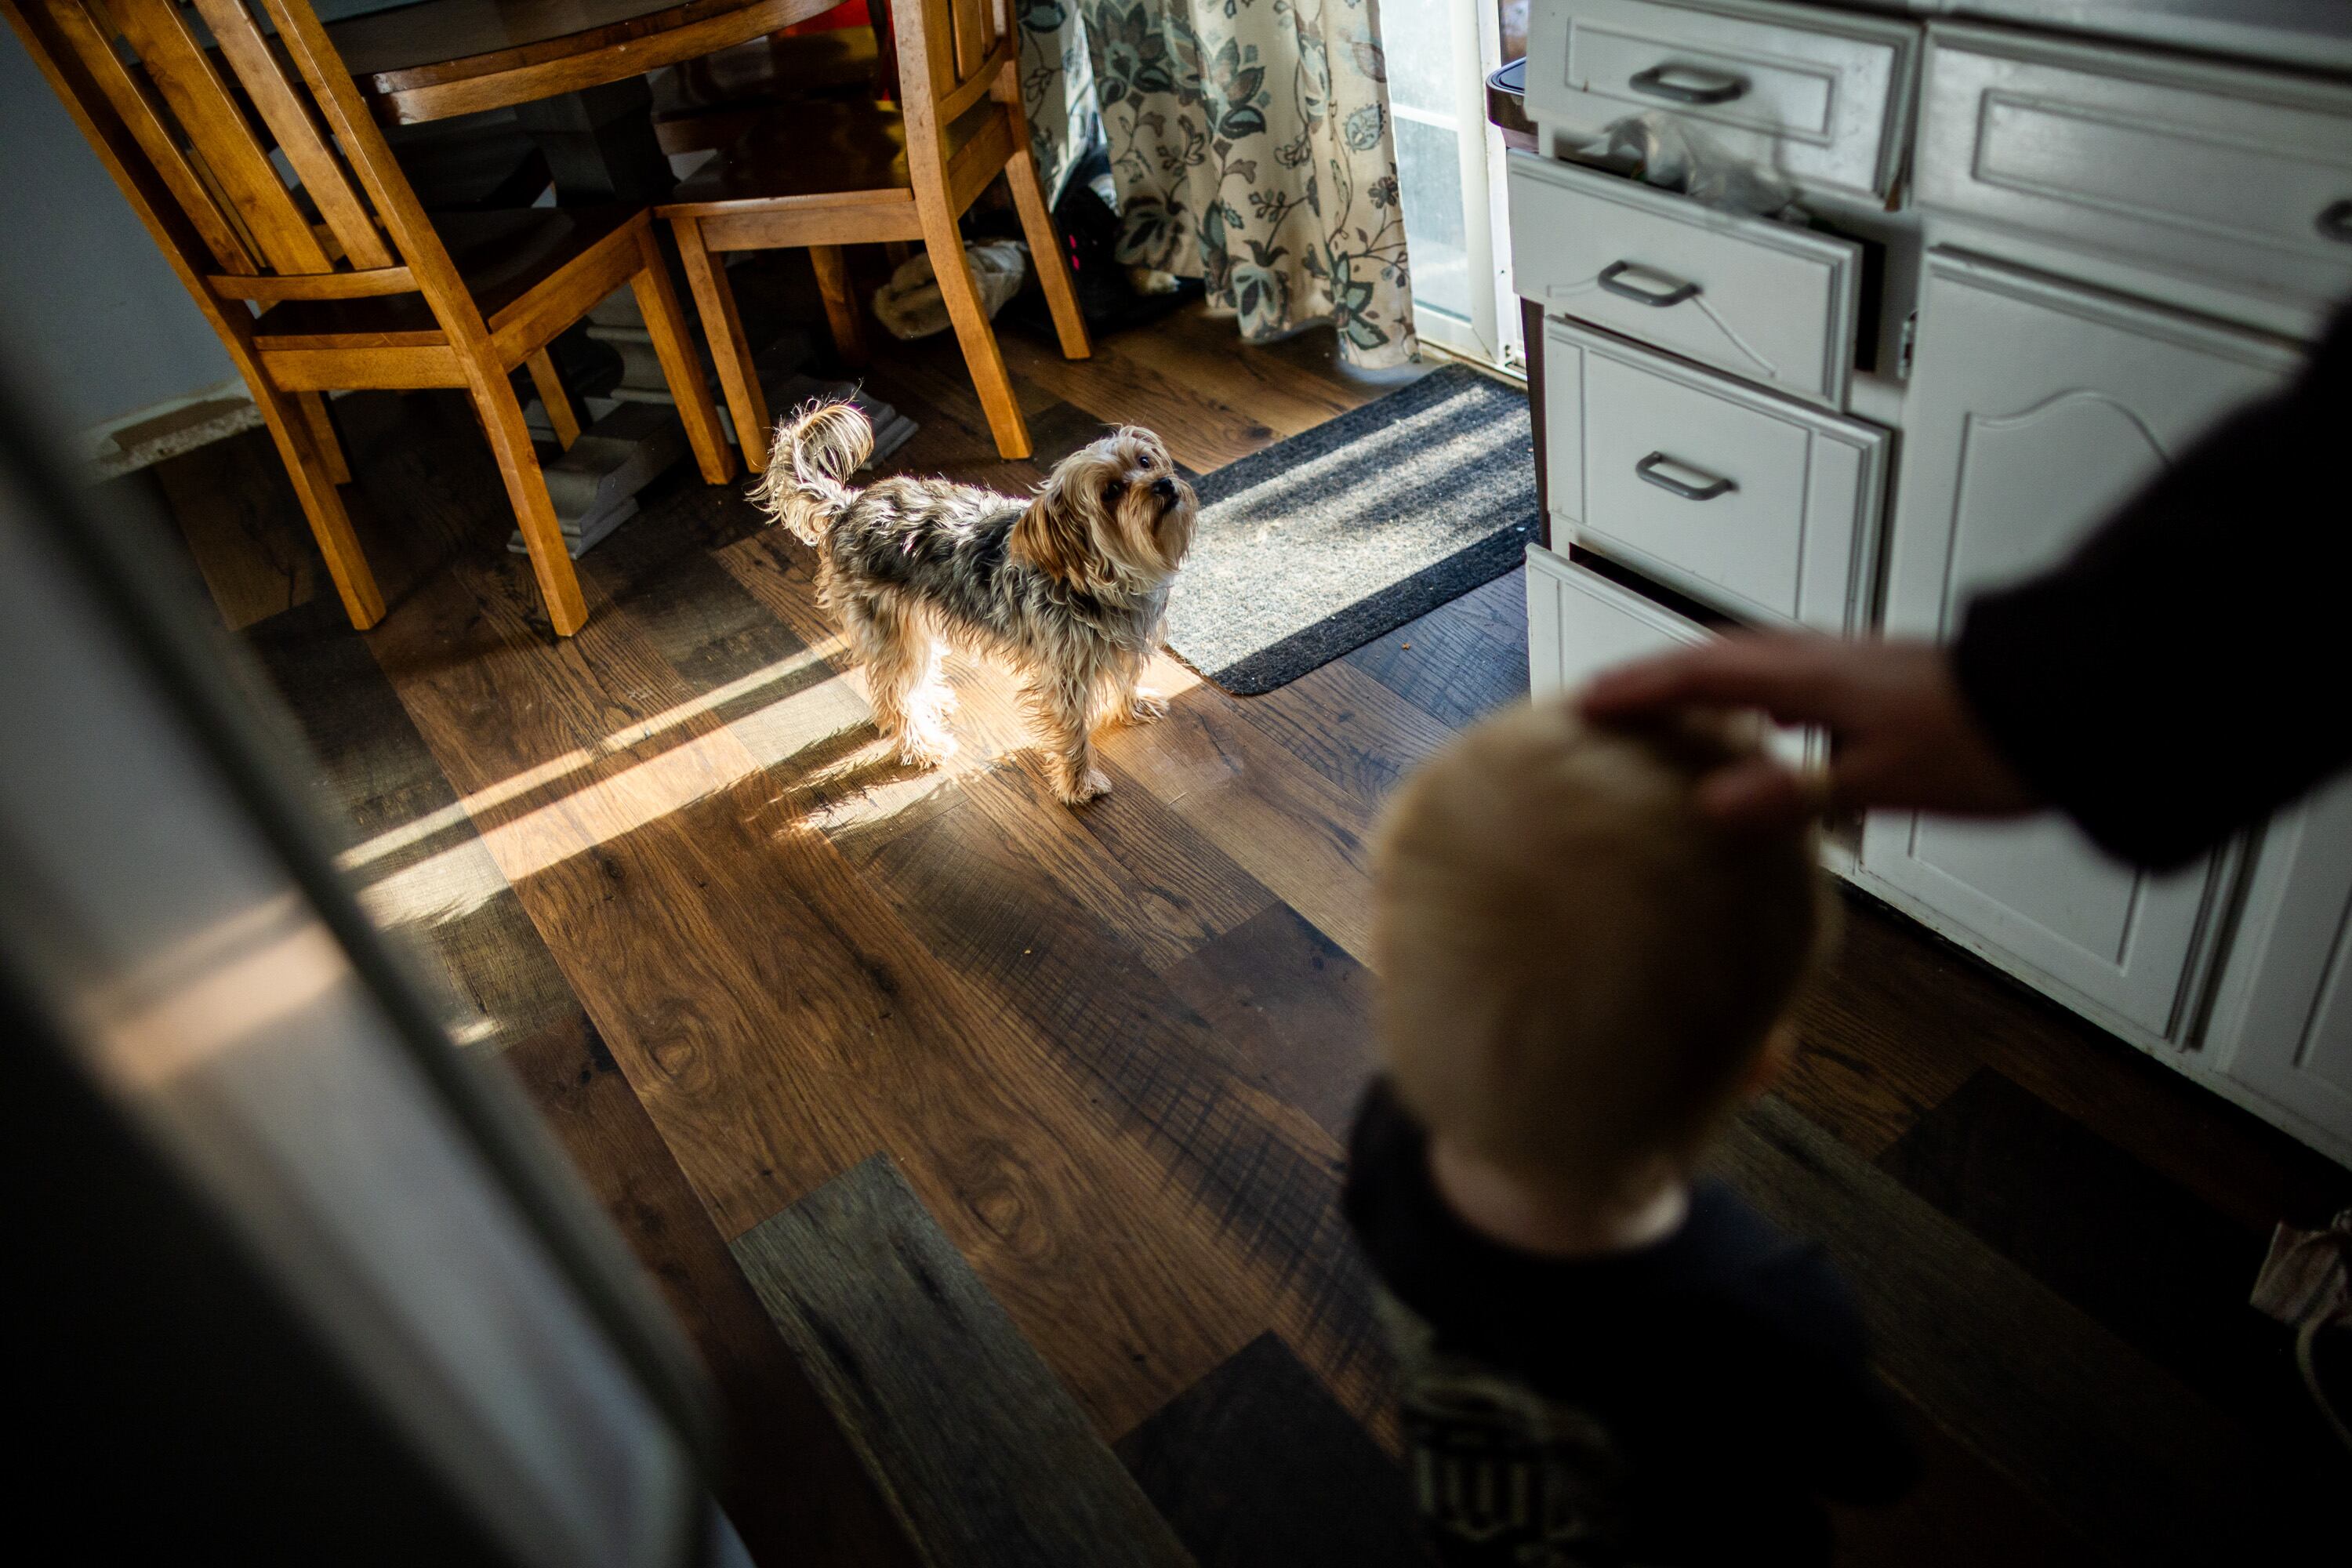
pixel 706 274
pixel 554 399
pixel 1045 252
pixel 322 425
pixel 314 487
pixel 542 536
pixel 681 366
pixel 978 338
pixel 841 311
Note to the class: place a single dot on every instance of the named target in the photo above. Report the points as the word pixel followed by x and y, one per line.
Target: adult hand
pixel 1901 733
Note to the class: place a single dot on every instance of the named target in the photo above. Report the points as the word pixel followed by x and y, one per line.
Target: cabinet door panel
pixel 2034 409
pixel 2283 1018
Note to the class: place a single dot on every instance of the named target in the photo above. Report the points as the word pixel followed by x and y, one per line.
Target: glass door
pixel 1449 169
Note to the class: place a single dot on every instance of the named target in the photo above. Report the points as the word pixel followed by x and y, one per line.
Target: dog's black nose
pixel 1164 487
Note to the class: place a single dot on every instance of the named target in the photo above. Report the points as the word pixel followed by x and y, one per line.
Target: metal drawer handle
pixel 1676 291
pixel 1694 86
pixel 2336 221
pixel 1647 471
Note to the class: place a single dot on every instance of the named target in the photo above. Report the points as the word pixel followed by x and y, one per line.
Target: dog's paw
pixel 1152 281
pixel 1092 786
pixel 1144 705
pixel 926 747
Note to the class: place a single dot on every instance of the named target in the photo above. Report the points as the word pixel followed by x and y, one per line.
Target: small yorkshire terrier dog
pixel 1069 587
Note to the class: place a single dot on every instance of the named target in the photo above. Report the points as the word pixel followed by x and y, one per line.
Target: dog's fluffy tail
pixel 809 465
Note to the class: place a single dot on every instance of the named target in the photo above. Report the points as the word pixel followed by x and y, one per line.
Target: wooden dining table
pixel 437 59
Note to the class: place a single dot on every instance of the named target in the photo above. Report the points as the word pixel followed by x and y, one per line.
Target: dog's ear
pixel 1054 536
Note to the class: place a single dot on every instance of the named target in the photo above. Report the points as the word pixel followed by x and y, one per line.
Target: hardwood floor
pixel 732 950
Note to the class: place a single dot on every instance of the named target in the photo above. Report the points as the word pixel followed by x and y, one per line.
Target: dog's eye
pixel 1114 489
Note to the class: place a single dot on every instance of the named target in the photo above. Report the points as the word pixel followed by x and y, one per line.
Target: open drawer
pixel 1821 95
pixel 1769 302
pixel 1761 508
pixel 1579 624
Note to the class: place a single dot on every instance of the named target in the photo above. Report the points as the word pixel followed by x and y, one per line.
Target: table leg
pixel 600 144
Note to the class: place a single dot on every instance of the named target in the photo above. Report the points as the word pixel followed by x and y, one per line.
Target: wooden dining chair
pixel 821 175
pixel 339 280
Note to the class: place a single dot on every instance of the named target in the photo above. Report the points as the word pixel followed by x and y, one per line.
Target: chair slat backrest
pixel 951 53
pixel 206 122
pixel 292 118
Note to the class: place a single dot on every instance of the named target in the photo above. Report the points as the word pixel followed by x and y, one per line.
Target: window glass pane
pixel 1429 169
pixel 1417 36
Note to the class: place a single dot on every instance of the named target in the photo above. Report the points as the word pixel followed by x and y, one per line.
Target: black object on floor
pixel 1317 545
pixel 1089 228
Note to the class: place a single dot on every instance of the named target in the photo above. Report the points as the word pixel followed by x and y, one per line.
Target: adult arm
pixel 2183 673
pixel 2174 680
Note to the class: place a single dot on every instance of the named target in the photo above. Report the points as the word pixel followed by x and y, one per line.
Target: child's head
pixel 1581 970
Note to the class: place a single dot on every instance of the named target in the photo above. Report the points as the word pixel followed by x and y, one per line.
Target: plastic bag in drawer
pixel 1660 150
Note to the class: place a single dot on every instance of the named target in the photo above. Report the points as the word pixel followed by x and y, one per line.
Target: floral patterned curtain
pixel 1250 143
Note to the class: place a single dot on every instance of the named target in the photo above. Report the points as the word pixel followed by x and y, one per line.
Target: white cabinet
pixel 2035 408
pixel 2034 268
pixel 2282 1020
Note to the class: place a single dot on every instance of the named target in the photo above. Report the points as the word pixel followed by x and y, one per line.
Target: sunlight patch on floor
pixel 483 801
pixel 842 788
pixel 461 878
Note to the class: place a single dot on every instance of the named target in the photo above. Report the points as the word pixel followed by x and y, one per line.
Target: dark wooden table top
pixel 440 58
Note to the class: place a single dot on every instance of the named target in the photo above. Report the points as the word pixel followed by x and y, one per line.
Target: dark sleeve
pixel 2181 675
pixel 1843 1428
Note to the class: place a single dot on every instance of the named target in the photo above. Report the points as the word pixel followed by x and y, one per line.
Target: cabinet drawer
pixel 2202 170
pixel 1765 301
pixel 1579 624
pixel 1823 98
pixel 1763 509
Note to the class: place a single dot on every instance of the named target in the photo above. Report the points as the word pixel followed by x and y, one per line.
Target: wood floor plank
pixel 1962 1514
pixel 1295 831
pixel 1461 661
pixel 1299 1005
pixel 1911 1005
pixel 1256 1169
pixel 1201 433
pixel 244 528
pixel 2157 1265
pixel 1349 728
pixel 1865 1068
pixel 2089 1428
pixel 413 855
pixel 1255 1466
pixel 1194 887
pixel 794 1488
pixel 1291 389
pixel 982 1453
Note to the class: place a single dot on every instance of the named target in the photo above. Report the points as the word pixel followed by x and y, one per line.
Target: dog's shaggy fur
pixel 1069 587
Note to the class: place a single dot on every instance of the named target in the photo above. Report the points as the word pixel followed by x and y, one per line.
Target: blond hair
pixel 1580 968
